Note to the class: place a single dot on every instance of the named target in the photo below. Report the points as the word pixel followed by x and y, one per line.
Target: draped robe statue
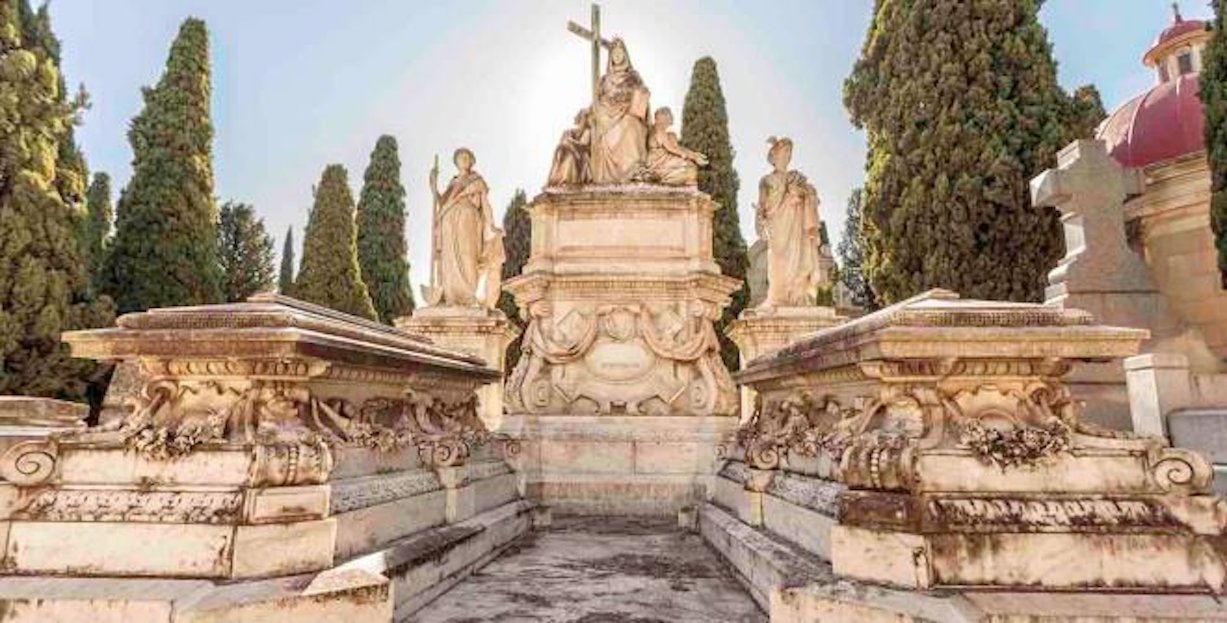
pixel 787 212
pixel 619 121
pixel 467 244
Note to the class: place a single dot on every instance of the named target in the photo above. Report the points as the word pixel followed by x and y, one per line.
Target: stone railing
pixel 936 443
pixel 264 438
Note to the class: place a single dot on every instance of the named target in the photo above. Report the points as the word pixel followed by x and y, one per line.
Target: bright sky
pixel 299 84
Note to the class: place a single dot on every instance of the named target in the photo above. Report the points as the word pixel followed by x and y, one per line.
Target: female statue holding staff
pixel 465 236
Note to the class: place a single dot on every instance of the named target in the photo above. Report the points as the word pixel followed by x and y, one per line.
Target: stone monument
pixel 788 225
pixel 280 461
pixel 1102 275
pixel 929 462
pixel 620 396
pixel 466 264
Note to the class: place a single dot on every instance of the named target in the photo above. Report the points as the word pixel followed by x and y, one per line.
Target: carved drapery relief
pixel 621 355
pixel 291 430
pixel 1005 423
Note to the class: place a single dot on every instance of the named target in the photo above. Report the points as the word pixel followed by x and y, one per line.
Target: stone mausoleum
pixel 938 460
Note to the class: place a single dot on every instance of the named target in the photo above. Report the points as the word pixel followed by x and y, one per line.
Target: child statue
pixel 668 162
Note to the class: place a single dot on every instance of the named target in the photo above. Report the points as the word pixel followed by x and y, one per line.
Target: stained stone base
pixel 474 331
pixel 798 587
pixel 619 465
pixel 759 331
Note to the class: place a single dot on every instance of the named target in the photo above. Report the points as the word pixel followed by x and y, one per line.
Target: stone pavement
pixel 598 570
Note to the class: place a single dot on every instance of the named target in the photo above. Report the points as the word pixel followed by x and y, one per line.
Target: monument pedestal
pixel 475 331
pixel 760 331
pixel 620 397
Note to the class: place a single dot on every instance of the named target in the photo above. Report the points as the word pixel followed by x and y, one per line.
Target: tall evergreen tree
pixel 961 107
pixel 97 226
pixel 245 252
pixel 517 243
pixel 851 252
pixel 285 281
pixel 705 128
pixel 382 251
pixel 44 287
pixel 165 247
pixel 1214 100
pixel 329 274
pixel 1087 112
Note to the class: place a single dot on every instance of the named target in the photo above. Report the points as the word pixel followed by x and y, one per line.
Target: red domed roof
pixel 1163 123
pixel 1178 28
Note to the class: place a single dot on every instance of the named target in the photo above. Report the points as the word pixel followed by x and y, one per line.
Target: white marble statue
pixel 467 246
pixel 570 166
pixel 668 162
pixel 619 120
pixel 787 217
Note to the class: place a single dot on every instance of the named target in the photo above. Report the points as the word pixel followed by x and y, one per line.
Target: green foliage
pixel 382 250
pixel 245 252
pixel 1214 100
pixel 285 281
pixel 961 107
pixel 165 247
pixel 705 128
pixel 97 227
pixel 1086 112
pixel 44 285
pixel 517 242
pixel 329 274
pixel 851 251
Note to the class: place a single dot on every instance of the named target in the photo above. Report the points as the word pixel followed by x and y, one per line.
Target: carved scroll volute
pixel 1177 470
pixel 30 463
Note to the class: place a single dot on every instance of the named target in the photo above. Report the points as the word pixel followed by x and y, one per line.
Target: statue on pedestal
pixel 787 218
pixel 466 246
pixel 619 120
pixel 668 162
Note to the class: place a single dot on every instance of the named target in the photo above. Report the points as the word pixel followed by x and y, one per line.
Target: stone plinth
pixel 621 292
pixel 477 331
pixel 269 442
pixel 934 450
pixel 617 465
pixel 758 332
pixel 23 418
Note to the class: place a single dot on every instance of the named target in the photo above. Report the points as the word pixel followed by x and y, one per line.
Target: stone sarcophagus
pixel 620 397
pixel 936 444
pixel 267 438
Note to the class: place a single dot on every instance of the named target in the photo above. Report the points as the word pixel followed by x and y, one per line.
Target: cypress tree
pixel 165 247
pixel 329 274
pixel 1087 111
pixel 285 281
pixel 851 251
pixel 517 243
pixel 44 287
pixel 245 252
pixel 382 250
pixel 961 107
pixel 1214 100
pixel 705 128
pixel 97 226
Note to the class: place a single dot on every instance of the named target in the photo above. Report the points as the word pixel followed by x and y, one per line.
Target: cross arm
pixel 586 34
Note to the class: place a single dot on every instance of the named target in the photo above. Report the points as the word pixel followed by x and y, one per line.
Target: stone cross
pixel 593 35
pixel 1090 189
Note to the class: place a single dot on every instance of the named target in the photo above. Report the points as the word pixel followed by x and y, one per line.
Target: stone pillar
pixel 476 331
pixel 759 332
